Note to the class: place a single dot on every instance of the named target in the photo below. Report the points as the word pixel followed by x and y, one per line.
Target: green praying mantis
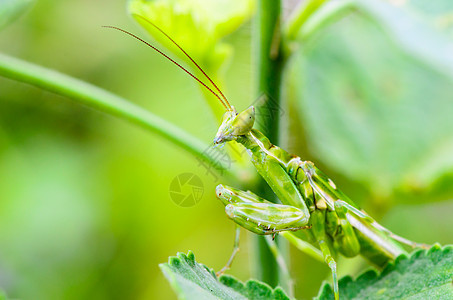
pixel 312 209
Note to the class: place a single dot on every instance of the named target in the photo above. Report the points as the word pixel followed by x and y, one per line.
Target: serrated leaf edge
pixel 327 287
pixel 190 256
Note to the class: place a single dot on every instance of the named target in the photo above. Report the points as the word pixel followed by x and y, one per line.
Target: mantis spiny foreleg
pixel 259 215
pixel 253 212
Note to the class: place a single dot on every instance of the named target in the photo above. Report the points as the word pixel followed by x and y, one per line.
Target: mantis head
pixel 235 124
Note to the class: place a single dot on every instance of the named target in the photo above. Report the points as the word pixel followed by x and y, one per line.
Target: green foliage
pixel 192 280
pixel 374 104
pixel 10 10
pixel 425 274
pixel 415 33
pixel 374 95
pixel 188 20
pixel 406 277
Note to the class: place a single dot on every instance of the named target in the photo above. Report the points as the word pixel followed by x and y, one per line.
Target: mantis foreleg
pixel 259 215
pixel 256 214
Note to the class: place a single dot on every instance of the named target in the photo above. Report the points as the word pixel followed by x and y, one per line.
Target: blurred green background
pixel 85 210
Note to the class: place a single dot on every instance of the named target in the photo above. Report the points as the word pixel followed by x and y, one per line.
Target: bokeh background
pixel 85 210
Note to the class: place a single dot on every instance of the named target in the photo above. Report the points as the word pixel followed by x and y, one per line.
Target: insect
pixel 312 208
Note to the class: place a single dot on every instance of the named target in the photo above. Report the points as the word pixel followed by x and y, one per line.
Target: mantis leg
pixel 267 218
pixel 319 233
pixel 400 238
pixel 376 225
pixel 259 215
pixel 332 265
pixel 280 182
pixel 233 254
pixel 303 246
pixel 344 238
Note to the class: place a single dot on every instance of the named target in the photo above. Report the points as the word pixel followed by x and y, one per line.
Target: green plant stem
pixel 281 261
pixel 268 61
pixel 102 100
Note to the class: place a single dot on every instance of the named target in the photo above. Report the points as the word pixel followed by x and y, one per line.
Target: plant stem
pixel 102 100
pixel 268 61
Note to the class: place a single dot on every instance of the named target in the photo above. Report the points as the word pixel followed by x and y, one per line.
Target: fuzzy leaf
pixel 191 280
pixel 425 274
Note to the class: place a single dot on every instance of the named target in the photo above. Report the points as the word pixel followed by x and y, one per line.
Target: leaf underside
pixel 192 280
pixel 425 274
pixel 374 92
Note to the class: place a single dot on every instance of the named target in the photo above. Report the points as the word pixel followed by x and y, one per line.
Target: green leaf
pixel 426 274
pixel 422 28
pixel 369 105
pixel 412 33
pixel 439 14
pixel 192 280
pixel 10 10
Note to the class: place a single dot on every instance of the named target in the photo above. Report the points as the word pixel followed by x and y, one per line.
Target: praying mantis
pixel 310 202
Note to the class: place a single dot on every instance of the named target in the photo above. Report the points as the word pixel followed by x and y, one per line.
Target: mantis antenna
pixel 228 107
pixel 188 56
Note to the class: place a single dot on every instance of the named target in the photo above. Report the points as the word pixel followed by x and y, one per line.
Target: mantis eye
pixel 243 122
